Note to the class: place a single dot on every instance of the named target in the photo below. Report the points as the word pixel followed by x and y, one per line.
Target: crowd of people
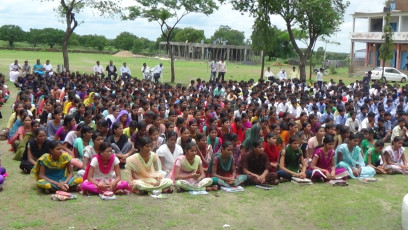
pixel 78 131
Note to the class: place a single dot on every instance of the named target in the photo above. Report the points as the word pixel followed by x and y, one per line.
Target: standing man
pixel 319 78
pixel 213 67
pixel 146 72
pixel 111 69
pixel 26 69
pixel 125 72
pixel 366 83
pixel 98 70
pixel 157 72
pixel 14 71
pixel 48 69
pixel 221 69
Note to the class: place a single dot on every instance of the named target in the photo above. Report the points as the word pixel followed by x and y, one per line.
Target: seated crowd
pixel 72 130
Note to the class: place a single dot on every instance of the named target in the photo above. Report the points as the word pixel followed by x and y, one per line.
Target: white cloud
pixel 36 14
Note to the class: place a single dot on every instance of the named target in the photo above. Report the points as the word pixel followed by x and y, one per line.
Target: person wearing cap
pixel 157 72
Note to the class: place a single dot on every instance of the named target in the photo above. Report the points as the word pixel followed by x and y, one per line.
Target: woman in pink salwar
pixel 103 174
pixel 323 165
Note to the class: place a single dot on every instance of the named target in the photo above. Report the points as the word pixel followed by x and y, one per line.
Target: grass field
pixel 320 206
pixel 185 70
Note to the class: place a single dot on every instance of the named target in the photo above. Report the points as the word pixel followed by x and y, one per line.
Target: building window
pixel 376 25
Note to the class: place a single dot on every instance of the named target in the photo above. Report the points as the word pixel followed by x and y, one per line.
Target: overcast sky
pixel 36 14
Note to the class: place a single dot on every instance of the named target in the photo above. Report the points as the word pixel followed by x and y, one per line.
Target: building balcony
pixel 376 37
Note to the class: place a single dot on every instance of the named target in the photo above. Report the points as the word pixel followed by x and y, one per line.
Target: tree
pixel 34 37
pixel 231 36
pixel 168 13
pixel 124 41
pixel 11 34
pixel 315 18
pixel 67 10
pixel 387 49
pixel 51 36
pixel 263 38
pixel 189 34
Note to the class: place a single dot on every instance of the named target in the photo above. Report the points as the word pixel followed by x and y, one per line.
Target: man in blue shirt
pixel 341 118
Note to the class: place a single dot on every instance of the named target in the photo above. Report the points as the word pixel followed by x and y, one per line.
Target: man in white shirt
pixel 14 71
pixel 221 69
pixel 111 71
pixel 282 75
pixel 353 123
pixel 319 78
pixel 48 69
pixel 98 70
pixel 213 67
pixel 157 72
pixel 282 106
pixel 146 72
pixel 125 72
pixel 269 76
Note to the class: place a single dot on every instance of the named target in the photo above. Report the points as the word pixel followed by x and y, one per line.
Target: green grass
pixel 320 206
pixel 185 70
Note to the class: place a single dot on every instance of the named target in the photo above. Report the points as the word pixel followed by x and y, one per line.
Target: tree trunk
pixel 263 64
pixel 173 77
pixel 65 53
pixel 310 66
pixel 302 67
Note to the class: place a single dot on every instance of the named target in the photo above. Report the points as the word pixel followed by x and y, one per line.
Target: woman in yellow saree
pixel 145 170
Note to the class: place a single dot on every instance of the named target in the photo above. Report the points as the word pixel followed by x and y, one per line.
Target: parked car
pixel 390 74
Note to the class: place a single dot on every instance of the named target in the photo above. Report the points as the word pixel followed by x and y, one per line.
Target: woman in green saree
pixel 145 170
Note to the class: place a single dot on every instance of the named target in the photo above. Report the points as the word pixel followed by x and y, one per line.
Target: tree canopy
pixel 168 13
pixel 228 35
pixel 314 18
pixel 11 34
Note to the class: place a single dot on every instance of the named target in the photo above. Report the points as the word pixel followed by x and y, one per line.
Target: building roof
pixel 379 14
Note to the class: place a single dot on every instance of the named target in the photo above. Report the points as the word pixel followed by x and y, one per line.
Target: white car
pixel 390 74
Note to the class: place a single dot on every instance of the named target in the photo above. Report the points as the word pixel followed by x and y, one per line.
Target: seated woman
pixel 169 152
pixel 120 142
pixel 68 125
pixel 292 162
pixel 271 150
pixel 21 132
pixel 222 168
pixel 255 164
pixel 185 137
pixel 79 144
pixel 34 150
pixel 375 157
pixel 188 172
pixel 90 151
pixel 252 135
pixel 395 158
pixel 27 137
pixel 348 156
pixel 123 118
pixel 323 165
pixel 15 120
pixel 54 124
pixel 212 139
pixel 204 150
pixel 145 170
pixel 103 174
pixel 16 125
pixel 53 171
